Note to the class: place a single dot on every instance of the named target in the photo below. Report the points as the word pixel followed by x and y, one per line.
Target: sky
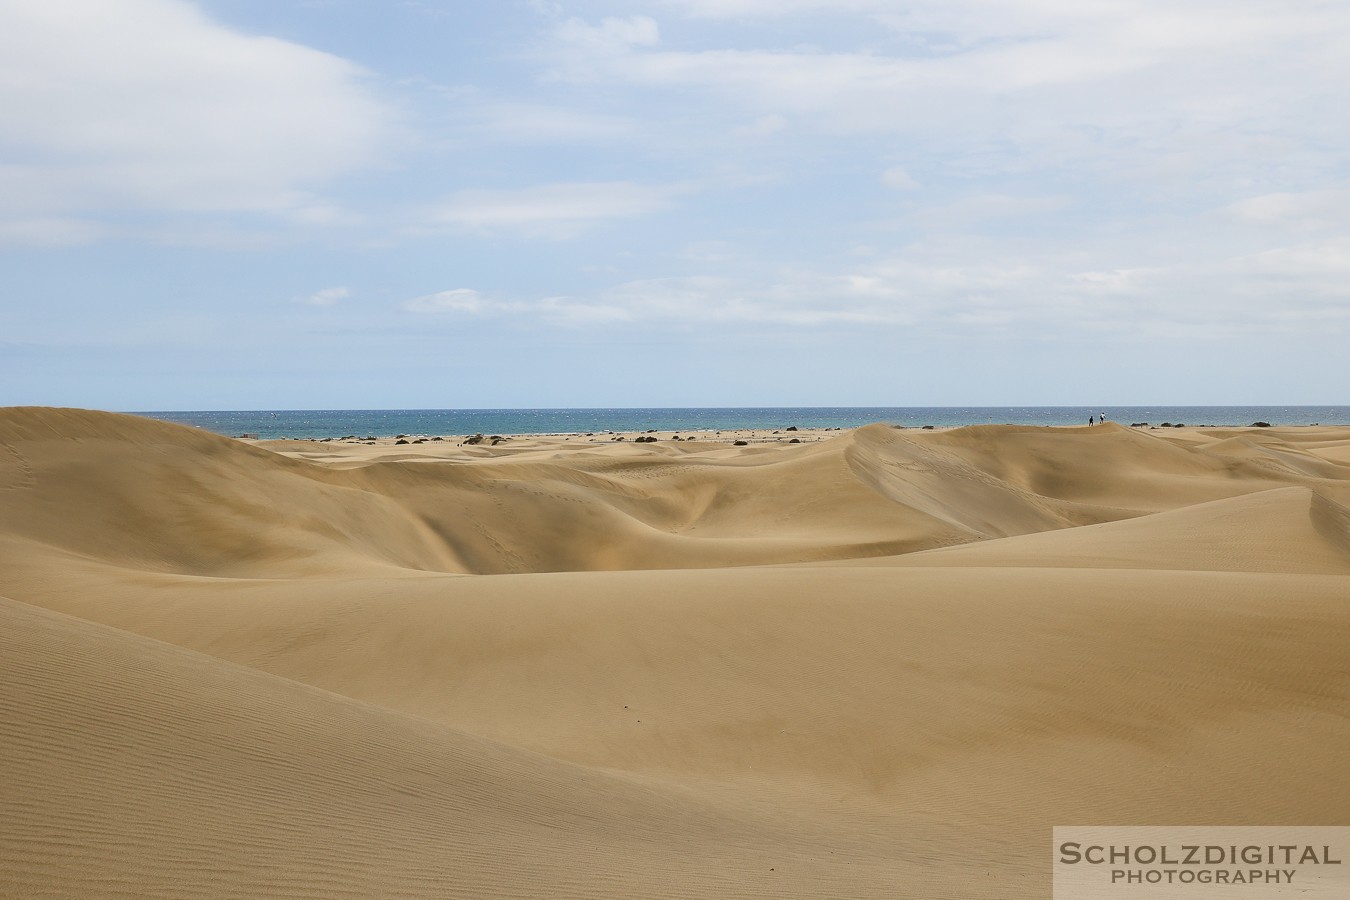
pixel 358 204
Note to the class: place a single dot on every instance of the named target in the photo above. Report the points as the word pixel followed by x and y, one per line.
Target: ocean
pixel 321 423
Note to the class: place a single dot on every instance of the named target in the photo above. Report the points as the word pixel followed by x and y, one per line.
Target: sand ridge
pixel 841 667
pixel 180 500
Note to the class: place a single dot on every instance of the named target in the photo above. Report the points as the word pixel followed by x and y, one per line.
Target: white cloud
pixel 1015 289
pixel 1302 211
pixel 763 126
pixel 552 210
pixel 577 313
pixel 556 309
pixel 307 211
pixel 148 105
pixel 978 209
pixel 1144 91
pixel 459 300
pixel 325 297
pixel 612 34
pixel 727 9
pixel 527 123
pixel 803 301
pixel 1319 267
pixel 898 179
pixel 1028 52
pixel 49 232
pixel 1031 288
pixel 551 9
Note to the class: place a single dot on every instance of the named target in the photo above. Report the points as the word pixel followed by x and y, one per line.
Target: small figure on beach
pixel 1091 421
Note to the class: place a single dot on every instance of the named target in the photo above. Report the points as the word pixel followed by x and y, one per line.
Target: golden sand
pixel 877 663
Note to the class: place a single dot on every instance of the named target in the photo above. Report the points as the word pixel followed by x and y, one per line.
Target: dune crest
pixel 1292 530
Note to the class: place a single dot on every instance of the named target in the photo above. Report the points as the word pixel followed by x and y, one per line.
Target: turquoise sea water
pixel 321 423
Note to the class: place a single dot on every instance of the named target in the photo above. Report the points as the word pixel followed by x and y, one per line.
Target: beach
pixel 870 662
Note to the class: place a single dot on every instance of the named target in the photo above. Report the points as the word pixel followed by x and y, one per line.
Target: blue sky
pixel 355 204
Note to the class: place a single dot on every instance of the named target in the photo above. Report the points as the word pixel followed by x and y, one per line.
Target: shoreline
pixel 706 437
pixel 726 437
pixel 579 422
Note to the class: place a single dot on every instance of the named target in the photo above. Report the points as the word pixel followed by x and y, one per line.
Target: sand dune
pixel 159 497
pixel 134 768
pixel 1292 530
pixel 838 668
